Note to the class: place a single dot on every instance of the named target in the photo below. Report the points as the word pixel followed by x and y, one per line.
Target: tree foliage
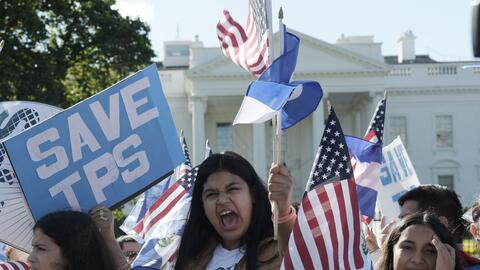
pixel 62 51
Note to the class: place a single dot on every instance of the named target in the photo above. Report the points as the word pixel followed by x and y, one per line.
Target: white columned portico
pixel 259 149
pixel 318 118
pixel 197 107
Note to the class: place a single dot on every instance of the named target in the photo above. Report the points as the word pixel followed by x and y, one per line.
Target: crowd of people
pixel 230 227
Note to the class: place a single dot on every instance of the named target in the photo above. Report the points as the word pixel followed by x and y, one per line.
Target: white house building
pixel 434 106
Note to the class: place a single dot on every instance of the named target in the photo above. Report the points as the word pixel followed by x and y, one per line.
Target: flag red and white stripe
pixel 327 232
pixel 164 205
pixel 13 266
pixel 248 49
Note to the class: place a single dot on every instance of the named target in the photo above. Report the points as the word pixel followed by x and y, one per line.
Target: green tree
pixel 62 51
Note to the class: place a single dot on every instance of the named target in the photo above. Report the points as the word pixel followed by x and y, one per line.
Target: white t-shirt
pixel 224 259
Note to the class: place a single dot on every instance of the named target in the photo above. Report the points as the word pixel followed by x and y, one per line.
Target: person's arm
pixel 280 186
pixel 103 217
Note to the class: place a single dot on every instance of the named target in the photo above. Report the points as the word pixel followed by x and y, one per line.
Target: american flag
pixel 248 49
pixel 186 166
pixel 13 266
pixel 185 177
pixel 327 232
pixel 375 131
pixel 165 203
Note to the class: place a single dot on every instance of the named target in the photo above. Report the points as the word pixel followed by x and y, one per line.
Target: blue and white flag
pixel 274 92
pixel 366 159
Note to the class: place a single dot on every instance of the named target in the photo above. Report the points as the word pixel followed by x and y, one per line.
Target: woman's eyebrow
pixel 232 184
pixel 209 190
pixel 407 241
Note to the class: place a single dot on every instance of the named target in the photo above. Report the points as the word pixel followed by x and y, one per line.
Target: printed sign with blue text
pixel 102 150
pixel 397 176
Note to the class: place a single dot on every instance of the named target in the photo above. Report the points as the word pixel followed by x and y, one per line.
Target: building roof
pixel 419 59
pixel 160 66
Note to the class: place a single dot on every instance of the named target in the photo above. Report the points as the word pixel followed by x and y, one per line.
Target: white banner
pixel 397 176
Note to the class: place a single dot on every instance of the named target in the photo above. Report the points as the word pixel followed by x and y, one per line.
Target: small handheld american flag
pixel 327 232
pixel 375 130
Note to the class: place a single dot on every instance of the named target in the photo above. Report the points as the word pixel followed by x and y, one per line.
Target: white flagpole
pixel 276 122
pixel 277 125
pixel 268 7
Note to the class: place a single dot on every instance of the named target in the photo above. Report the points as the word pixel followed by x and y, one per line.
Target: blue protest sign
pixel 104 149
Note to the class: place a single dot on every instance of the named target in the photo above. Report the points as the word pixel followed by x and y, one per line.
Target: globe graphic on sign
pixel 20 120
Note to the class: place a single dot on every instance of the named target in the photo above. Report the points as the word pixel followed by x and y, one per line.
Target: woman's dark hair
pixel 426 219
pixel 199 232
pixel 79 239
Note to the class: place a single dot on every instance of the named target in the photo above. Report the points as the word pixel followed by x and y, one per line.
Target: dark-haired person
pixel 130 247
pixel 446 205
pixel 68 240
pixel 230 220
pixel 419 241
pixel 474 227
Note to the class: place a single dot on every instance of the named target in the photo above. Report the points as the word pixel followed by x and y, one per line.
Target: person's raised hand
pixel 385 229
pixel 103 218
pixel 445 255
pixel 370 239
pixel 280 186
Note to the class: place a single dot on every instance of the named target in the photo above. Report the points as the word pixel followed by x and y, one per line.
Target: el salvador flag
pixel 366 160
pixel 274 92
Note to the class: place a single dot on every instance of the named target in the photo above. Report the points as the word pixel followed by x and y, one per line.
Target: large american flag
pixel 248 49
pixel 375 130
pixel 327 232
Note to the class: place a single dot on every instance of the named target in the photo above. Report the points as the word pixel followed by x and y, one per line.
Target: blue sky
pixel 442 27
